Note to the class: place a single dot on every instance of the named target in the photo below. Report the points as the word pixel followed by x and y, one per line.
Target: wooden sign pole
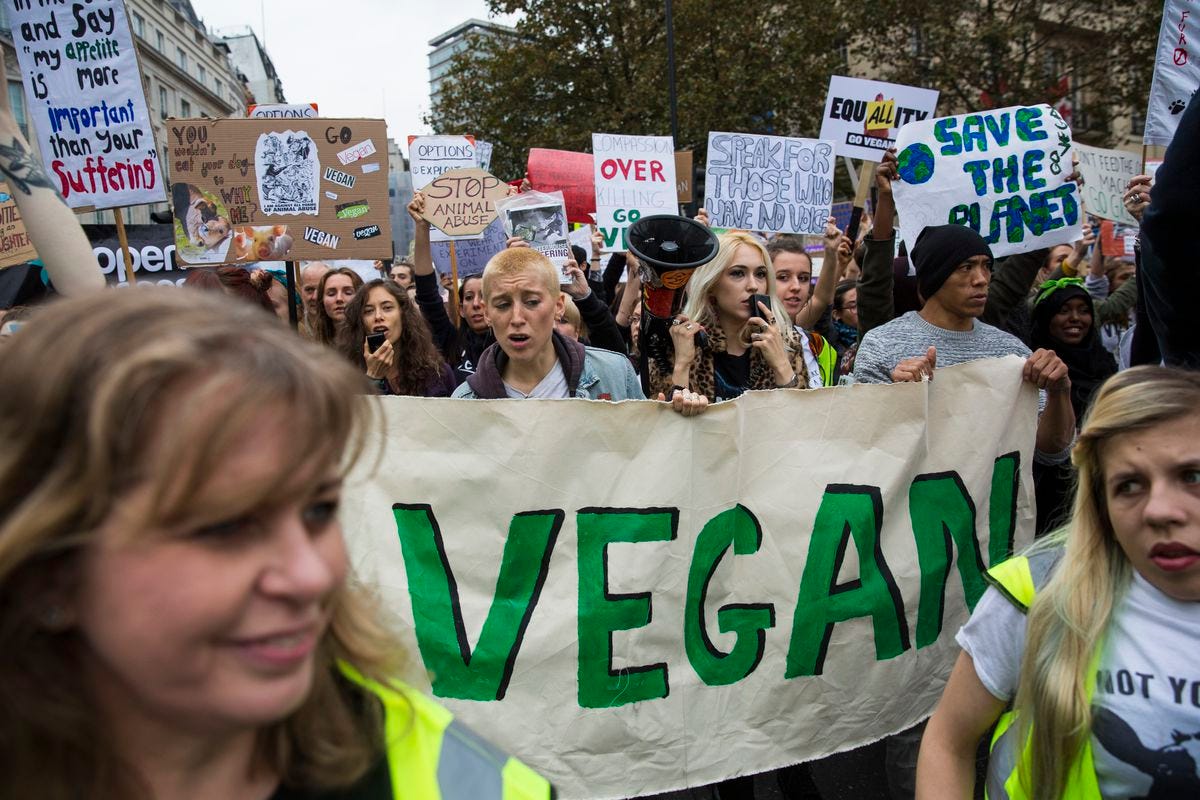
pixel 453 283
pixel 293 313
pixel 866 177
pixel 123 238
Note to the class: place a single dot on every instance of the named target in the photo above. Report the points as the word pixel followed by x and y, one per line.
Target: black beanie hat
pixel 939 250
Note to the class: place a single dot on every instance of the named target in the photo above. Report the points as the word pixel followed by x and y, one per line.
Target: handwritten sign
pixel 683 176
pixel 462 202
pixel 862 116
pixel 1106 173
pixel 768 183
pixel 282 111
pixel 430 156
pixel 259 190
pixel 1176 71
pixel 86 101
pixel 472 254
pixel 1002 173
pixel 635 177
pixel 573 174
pixel 15 244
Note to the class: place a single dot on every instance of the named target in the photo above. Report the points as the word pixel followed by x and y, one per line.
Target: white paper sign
pixel 283 111
pixel 1106 173
pixel 86 102
pixel 1176 70
pixel 635 178
pixel 483 155
pixel 1002 172
pixel 862 116
pixel 738 594
pixel 430 156
pixel 288 173
pixel 768 183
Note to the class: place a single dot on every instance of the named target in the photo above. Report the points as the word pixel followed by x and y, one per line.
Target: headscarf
pixel 1088 363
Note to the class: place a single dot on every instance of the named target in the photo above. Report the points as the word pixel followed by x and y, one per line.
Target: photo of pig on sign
pixel 1002 173
pixel 768 183
pixel 635 178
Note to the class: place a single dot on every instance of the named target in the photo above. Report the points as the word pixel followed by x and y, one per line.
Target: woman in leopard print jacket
pixel 746 347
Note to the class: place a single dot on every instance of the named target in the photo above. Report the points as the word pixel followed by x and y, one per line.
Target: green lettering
pixel 1002 507
pixel 847 512
pixel 457 671
pixel 1029 125
pixel 973 135
pixel 737 528
pixel 601 613
pixel 943 519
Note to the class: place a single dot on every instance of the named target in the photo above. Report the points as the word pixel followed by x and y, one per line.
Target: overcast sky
pixel 354 58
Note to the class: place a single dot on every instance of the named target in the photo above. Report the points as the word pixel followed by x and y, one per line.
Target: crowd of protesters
pixel 106 523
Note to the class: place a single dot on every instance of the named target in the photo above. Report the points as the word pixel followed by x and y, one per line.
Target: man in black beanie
pixel 954 269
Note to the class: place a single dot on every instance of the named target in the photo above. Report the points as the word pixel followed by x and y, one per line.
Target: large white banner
pixel 635 178
pixel 634 602
pixel 768 183
pixel 1106 173
pixel 86 102
pixel 1001 172
pixel 1176 70
pixel 862 116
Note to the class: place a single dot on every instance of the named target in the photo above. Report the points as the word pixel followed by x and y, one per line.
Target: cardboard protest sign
pixel 275 189
pixel 740 593
pixel 472 255
pixel 462 202
pixel 539 218
pixel 1176 71
pixel 573 174
pixel 635 178
pixel 768 183
pixel 282 111
pixel 85 98
pixel 683 176
pixel 15 245
pixel 862 116
pixel 1001 172
pixel 151 248
pixel 1106 173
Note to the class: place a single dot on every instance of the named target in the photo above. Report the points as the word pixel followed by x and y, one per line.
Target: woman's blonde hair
pixel 137 387
pixel 699 288
pixel 1068 619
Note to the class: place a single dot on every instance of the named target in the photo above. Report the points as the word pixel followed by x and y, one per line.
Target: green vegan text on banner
pixel 634 602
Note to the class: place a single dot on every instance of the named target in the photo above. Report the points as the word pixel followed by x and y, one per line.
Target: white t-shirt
pixel 552 387
pixel 1146 709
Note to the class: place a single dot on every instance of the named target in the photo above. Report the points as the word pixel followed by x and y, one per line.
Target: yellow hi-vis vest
pixel 433 757
pixel 1019 579
pixel 826 356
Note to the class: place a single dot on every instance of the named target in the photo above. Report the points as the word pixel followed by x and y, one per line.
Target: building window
pixel 185 108
pixel 161 43
pixel 164 103
pixel 16 100
pixel 203 73
pixel 181 58
pixel 139 25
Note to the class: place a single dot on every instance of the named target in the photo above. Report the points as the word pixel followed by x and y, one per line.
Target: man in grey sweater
pixel 954 268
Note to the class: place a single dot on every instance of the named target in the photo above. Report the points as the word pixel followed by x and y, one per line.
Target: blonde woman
pixel 750 345
pixel 178 620
pixel 1093 636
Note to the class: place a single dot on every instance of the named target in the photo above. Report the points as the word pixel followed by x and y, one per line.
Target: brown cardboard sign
pixel 275 189
pixel 683 175
pixel 15 244
pixel 462 202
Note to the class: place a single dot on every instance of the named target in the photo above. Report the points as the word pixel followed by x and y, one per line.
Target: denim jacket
pixel 592 373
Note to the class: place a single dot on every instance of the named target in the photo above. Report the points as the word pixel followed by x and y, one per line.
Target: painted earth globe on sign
pixel 915 163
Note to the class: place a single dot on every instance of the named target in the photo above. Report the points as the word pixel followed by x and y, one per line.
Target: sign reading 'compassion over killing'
pixel 635 178
pixel 768 183
pixel 738 593
pixel 85 98
pixel 1002 173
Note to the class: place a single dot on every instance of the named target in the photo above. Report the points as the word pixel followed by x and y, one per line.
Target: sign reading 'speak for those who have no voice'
pixel 462 202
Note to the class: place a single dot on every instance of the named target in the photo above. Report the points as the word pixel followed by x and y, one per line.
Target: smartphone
pixel 375 341
pixel 755 311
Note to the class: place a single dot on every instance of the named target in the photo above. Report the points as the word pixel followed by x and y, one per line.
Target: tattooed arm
pixel 53 228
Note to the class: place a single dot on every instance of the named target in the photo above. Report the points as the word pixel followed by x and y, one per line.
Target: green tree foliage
pixel 762 66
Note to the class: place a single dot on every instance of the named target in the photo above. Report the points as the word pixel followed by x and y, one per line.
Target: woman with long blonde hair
pixel 746 344
pixel 1093 635
pixel 178 619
